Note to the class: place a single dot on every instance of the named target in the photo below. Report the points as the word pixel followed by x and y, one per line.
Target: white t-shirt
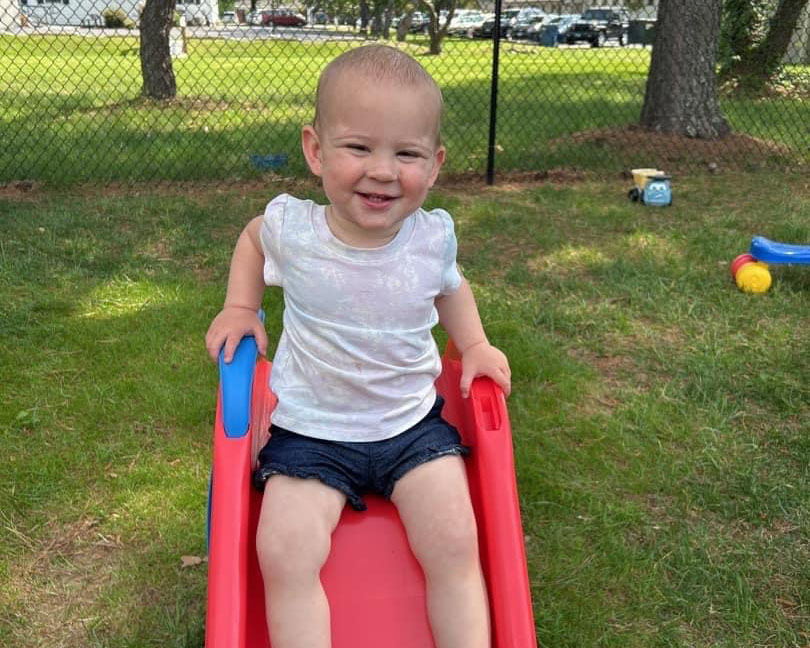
pixel 356 360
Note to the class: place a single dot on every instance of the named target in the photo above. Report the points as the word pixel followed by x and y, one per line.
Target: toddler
pixel 365 278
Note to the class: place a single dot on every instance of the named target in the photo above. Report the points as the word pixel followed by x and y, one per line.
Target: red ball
pixel 739 262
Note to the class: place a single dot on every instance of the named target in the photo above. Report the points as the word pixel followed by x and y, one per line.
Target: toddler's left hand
pixel 483 359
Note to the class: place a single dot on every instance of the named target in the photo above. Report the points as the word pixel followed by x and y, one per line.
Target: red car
pixel 283 18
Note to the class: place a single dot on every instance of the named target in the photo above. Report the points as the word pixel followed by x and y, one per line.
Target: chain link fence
pixel 72 107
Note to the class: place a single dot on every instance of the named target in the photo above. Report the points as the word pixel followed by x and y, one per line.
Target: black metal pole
pixel 493 97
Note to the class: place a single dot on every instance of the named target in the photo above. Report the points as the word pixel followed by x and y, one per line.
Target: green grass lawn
pixel 661 417
pixel 70 108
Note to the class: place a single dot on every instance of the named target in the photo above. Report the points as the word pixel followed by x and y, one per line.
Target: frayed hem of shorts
pixel 457 450
pixel 262 474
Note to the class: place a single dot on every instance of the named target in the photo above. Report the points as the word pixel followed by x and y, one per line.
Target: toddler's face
pixel 375 149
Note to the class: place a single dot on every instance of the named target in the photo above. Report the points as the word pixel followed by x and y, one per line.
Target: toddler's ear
pixel 438 160
pixel 311 146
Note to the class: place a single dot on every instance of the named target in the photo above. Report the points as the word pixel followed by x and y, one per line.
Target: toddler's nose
pixel 382 168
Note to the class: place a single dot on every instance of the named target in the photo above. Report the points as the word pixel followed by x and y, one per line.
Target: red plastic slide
pixel 374 584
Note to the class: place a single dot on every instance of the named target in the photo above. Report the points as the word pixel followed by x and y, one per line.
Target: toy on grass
pixel 269 162
pixel 652 187
pixel 750 271
pixel 750 275
pixel 375 586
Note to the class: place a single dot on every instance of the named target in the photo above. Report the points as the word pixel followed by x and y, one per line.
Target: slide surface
pixel 375 586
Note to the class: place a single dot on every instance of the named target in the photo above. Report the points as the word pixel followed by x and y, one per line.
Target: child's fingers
pixel 261 338
pixel 504 380
pixel 464 385
pixel 500 375
pixel 234 338
pixel 468 374
pixel 213 343
pixel 231 342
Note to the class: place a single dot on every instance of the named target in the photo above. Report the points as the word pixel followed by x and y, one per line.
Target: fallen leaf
pixel 192 561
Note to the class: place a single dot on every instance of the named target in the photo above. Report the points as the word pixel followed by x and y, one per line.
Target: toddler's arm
pixel 459 316
pixel 239 316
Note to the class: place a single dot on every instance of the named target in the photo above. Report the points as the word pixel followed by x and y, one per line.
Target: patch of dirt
pixel 25 190
pixel 510 180
pixel 58 581
pixel 21 191
pixel 679 151
pixel 614 371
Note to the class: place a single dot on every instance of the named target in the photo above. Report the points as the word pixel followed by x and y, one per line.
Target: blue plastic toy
pixel 769 251
pixel 750 271
pixel 652 187
pixel 269 162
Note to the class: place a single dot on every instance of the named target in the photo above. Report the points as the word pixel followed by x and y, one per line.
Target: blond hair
pixel 377 63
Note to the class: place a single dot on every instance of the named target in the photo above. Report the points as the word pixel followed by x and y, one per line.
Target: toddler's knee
pixel 455 544
pixel 288 553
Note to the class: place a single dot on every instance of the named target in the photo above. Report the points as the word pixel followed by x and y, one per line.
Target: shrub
pixel 116 17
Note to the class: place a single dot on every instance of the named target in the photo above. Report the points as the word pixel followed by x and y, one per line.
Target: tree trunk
pixel 404 26
pixel 435 33
pixel 681 95
pixel 436 30
pixel 364 12
pixel 768 56
pixel 753 64
pixel 740 22
pixel 156 60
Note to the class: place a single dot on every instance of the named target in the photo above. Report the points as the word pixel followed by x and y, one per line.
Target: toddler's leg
pixel 293 540
pixel 434 504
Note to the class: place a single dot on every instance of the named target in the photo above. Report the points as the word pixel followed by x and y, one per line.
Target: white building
pixel 10 15
pixel 88 12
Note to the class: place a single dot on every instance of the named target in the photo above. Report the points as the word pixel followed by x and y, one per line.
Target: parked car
pixel 598 25
pixel 464 24
pixel 487 28
pixel 320 18
pixel 528 28
pixel 283 18
pixel 523 15
pixel 559 25
pixel 228 18
pixel 419 22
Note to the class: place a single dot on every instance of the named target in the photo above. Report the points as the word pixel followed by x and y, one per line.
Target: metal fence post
pixel 493 97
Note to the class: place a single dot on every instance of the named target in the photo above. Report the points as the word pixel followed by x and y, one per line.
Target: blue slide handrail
pixel 763 249
pixel 236 381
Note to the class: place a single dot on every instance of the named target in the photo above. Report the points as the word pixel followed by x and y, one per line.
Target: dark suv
pixel 600 24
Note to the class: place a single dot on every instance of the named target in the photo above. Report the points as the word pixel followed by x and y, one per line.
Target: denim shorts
pixel 357 467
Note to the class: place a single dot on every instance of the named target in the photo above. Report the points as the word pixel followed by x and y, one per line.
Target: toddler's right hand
pixel 229 327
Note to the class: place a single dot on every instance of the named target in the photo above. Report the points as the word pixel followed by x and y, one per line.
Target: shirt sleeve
pixel 451 278
pixel 270 235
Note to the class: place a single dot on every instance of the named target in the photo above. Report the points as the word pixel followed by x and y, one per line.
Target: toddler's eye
pixel 357 147
pixel 408 154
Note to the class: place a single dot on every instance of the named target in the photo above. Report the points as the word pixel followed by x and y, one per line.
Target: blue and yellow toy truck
pixel 652 187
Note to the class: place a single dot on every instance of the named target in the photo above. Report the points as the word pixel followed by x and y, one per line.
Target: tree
pixel 752 47
pixel 156 61
pixel 381 13
pixel 436 28
pixel 681 94
pixel 743 24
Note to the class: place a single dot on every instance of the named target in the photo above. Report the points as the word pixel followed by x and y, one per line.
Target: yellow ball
pixel 754 278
